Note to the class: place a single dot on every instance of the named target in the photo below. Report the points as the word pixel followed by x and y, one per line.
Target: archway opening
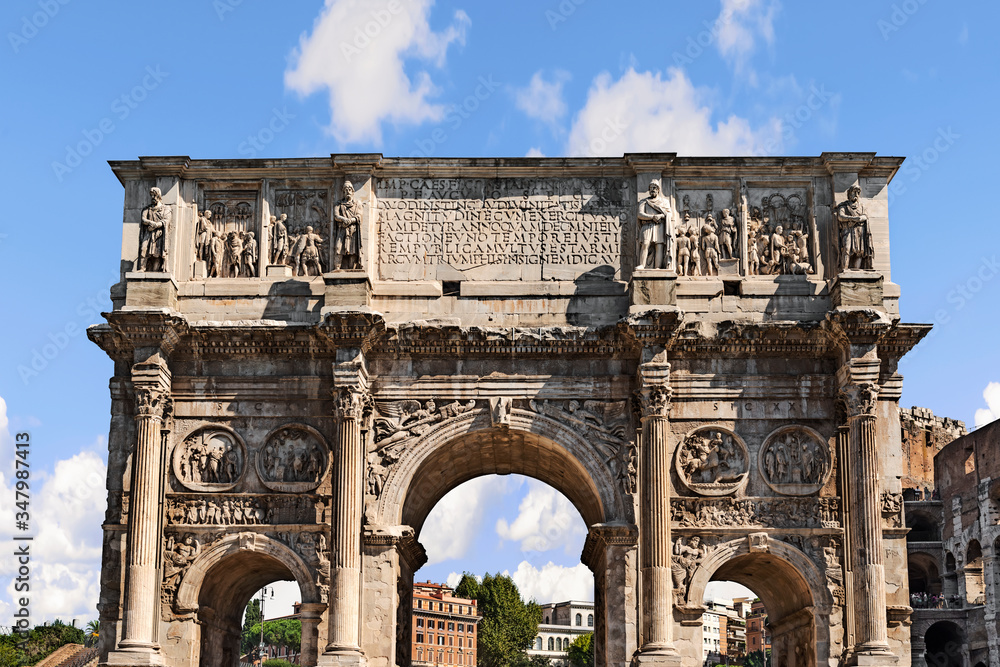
pixel 786 605
pixel 923 528
pixel 592 476
pixel 975 592
pixel 227 589
pixel 943 643
pixel 925 581
pixel 734 627
pixel 510 525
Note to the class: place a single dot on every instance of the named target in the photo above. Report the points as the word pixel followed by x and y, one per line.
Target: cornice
pixel 749 339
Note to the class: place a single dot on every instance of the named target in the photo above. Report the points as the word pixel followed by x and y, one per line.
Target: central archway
pixel 787 582
pixel 533 445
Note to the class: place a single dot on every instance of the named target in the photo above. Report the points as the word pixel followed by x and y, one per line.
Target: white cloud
pixel 727 590
pixel 739 24
pixel 643 111
pixel 454 523
pixel 992 412
pixel 546 520
pixel 66 509
pixel 554 583
pixel 534 151
pixel 543 100
pixel 357 53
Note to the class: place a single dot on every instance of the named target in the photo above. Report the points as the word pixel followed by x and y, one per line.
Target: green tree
pixel 581 651
pixel 758 659
pixel 91 633
pixel 251 627
pixel 509 624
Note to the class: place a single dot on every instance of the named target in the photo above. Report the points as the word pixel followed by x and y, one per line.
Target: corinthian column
pixel 351 404
pixel 866 523
pixel 138 644
pixel 654 526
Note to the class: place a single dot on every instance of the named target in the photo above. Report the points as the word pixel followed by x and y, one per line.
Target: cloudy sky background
pixel 89 82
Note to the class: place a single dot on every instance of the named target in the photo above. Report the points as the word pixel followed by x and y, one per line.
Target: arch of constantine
pixel 700 353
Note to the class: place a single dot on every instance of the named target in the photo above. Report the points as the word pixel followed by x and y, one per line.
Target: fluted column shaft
pixel 866 525
pixel 143 540
pixel 345 561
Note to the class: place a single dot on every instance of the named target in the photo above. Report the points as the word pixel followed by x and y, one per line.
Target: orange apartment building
pixel 758 636
pixel 445 627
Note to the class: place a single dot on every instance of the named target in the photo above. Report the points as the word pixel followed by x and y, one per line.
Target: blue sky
pixel 89 82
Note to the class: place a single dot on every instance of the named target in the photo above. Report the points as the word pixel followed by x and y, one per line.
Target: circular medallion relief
pixel 795 461
pixel 712 461
pixel 210 459
pixel 293 459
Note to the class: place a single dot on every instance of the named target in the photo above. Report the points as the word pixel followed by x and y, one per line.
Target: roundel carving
pixel 210 459
pixel 712 461
pixel 294 458
pixel 795 461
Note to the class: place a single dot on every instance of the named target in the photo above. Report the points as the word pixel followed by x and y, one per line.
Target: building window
pixel 590 620
pixel 546 620
pixel 440 640
pixel 459 642
pixel 451 627
pixel 538 643
pixel 420 622
pixel 552 644
pixel 579 619
pixel 451 608
pixel 451 641
pixel 461 627
pixel 420 638
pixel 440 625
pixel 420 603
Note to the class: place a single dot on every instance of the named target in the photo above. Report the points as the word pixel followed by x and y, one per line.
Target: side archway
pixel 222 579
pixel 789 584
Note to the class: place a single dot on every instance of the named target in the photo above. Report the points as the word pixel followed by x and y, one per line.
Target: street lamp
pixel 263 592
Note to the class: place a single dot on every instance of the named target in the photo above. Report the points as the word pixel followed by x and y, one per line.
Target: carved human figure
pixel 777 250
pixel 856 248
pixel 727 234
pixel 155 222
pixel 203 236
pixel 654 229
pixel 305 253
pixel 179 554
pixel 710 244
pixel 683 253
pixel 693 241
pixel 232 262
pixel 216 253
pixel 250 255
pixel 685 562
pixel 347 244
pixel 279 239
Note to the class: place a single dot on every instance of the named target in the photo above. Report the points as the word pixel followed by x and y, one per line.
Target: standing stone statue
pixel 250 255
pixel 216 251
pixel 347 245
pixel 856 248
pixel 654 229
pixel 305 253
pixel 153 234
pixel 279 239
pixel 203 236
pixel 727 235
pixel 233 261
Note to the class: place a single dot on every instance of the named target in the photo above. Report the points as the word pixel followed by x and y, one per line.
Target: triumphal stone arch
pixel 700 353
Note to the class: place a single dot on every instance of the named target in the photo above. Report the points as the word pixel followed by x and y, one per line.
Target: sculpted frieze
pixel 688 554
pixel 178 554
pixel 210 459
pixel 892 508
pixel 712 461
pixel 706 237
pixel 294 459
pixel 398 420
pixel 755 512
pixel 795 461
pixel 300 232
pixel 780 233
pixel 243 510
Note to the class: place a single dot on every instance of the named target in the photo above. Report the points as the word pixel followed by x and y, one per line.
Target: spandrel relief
pixel 781 233
pixel 706 239
pixel 300 231
pixel 293 459
pixel 712 461
pixel 795 461
pixel 209 460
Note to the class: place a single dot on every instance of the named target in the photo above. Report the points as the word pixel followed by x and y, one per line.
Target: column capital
pixel 352 402
pixel 860 399
pixel 152 401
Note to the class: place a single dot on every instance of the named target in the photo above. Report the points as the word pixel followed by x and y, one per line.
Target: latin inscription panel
pixel 502 229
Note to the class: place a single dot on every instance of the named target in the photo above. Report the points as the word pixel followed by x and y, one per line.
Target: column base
pixel 876 656
pixel 657 656
pixel 342 658
pixel 135 657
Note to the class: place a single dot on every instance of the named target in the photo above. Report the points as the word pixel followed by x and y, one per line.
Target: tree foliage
pixel 509 624
pixel 581 651
pixel 251 619
pixel 758 659
pixel 18 649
